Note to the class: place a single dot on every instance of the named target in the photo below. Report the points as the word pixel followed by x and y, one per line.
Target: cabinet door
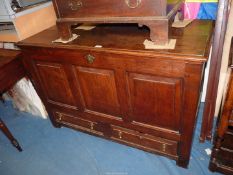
pixel 155 100
pixel 55 84
pixel 99 91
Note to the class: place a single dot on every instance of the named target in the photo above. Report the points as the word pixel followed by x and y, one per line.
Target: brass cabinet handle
pixel 90 58
pixel 120 134
pixel 92 126
pixel 59 119
pixel 130 4
pixel 75 5
pixel 164 147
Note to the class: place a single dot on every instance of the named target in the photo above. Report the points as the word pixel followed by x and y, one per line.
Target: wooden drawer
pixel 83 124
pixel 113 8
pixel 145 141
pixel 77 123
pixel 156 14
pixel 130 137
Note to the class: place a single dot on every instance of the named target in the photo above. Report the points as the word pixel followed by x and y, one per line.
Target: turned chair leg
pixel 8 134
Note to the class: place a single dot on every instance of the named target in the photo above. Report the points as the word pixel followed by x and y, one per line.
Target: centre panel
pixel 99 92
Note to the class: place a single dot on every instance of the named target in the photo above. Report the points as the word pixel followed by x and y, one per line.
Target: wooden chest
pixel 156 14
pixel 147 99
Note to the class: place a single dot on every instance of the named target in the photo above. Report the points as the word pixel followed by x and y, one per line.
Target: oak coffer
pixel 147 99
pixel 155 14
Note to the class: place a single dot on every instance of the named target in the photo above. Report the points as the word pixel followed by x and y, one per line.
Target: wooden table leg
pixel 1 98
pixel 8 134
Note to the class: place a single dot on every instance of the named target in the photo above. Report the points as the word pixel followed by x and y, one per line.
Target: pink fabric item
pixel 191 10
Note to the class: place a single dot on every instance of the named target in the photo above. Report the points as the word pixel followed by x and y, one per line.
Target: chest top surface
pixel 191 41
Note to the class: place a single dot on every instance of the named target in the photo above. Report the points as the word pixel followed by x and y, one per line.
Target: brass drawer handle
pixel 59 119
pixel 75 5
pixel 90 59
pixel 133 5
pixel 92 126
pixel 120 134
pixel 164 147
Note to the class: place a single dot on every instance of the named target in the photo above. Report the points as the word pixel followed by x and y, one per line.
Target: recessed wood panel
pixel 155 100
pixel 99 91
pixel 55 83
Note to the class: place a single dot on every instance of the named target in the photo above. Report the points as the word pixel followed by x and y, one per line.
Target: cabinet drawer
pixel 130 137
pixel 113 8
pixel 145 141
pixel 77 123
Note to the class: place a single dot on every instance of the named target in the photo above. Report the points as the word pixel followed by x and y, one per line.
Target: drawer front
pixel 149 142
pixel 77 123
pixel 130 137
pixel 113 8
